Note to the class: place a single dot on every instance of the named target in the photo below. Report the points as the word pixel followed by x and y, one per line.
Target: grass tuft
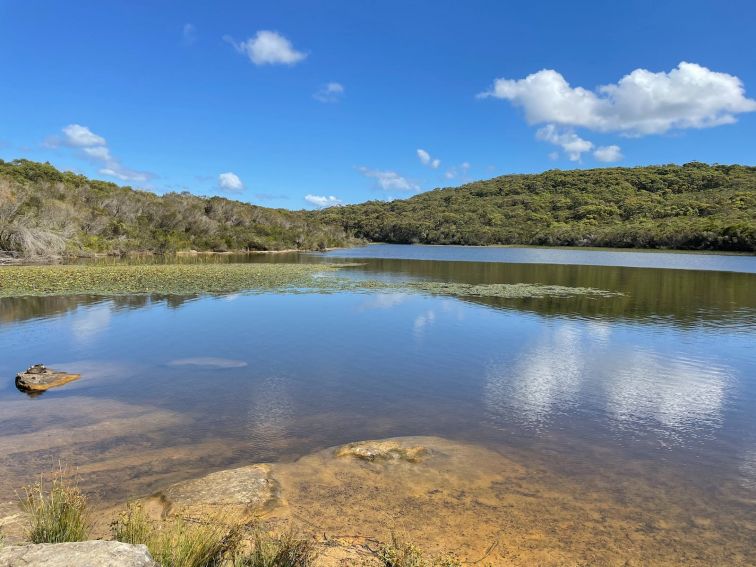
pixel 179 542
pixel 57 511
pixel 285 550
pixel 402 553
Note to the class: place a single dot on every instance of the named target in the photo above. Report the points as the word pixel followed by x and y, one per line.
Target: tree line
pixel 694 206
pixel 47 212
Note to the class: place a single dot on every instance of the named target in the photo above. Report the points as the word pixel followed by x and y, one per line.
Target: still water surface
pixel 658 384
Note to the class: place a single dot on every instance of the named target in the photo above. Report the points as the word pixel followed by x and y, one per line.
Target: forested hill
pixel 694 206
pixel 45 212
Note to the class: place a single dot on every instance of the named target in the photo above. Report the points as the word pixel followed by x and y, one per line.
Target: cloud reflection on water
pixel 545 377
pixel 581 363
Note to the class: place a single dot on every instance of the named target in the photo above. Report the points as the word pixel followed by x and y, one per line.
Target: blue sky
pixel 305 104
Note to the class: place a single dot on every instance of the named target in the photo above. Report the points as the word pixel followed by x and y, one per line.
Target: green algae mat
pixel 190 279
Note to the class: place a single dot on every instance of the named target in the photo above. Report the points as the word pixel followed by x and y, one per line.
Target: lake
pixel 647 397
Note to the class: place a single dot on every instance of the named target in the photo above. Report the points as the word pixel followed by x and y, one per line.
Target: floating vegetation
pixel 507 291
pixel 171 279
pixel 191 279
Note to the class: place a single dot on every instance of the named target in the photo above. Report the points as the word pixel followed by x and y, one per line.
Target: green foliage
pixel 46 212
pixel 57 511
pixel 694 206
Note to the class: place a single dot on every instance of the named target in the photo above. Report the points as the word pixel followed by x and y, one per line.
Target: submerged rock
pixel 80 554
pixel 387 450
pixel 245 489
pixel 39 378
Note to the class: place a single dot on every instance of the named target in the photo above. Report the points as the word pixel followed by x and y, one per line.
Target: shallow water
pixel 656 387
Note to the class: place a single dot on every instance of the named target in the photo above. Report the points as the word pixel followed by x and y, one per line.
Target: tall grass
pixel 285 550
pixel 211 542
pixel 179 542
pixel 57 511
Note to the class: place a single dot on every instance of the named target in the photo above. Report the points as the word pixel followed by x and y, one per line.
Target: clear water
pixel 659 383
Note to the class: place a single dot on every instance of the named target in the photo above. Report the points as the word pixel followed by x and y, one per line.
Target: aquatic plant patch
pixel 191 279
pixel 172 279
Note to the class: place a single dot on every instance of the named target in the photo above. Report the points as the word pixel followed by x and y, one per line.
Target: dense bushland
pixel 693 206
pixel 46 212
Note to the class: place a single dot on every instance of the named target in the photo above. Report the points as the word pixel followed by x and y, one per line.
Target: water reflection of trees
pixel 680 297
pixel 15 309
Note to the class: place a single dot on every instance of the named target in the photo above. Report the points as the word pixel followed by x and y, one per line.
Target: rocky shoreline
pixel 444 496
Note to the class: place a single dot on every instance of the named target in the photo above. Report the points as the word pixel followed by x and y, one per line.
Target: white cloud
pixel 641 103
pixel 331 92
pixel 426 159
pixel 573 145
pixel 268 48
pixel 95 148
pixel 115 169
pixel 230 182
pixel 322 201
pixel 189 34
pixel 98 152
pixel 462 170
pixel 389 180
pixel 608 153
pixel 78 136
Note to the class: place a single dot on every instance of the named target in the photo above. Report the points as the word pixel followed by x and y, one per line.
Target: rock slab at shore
pixel 80 554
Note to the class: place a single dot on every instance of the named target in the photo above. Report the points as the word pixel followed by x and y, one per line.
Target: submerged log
pixel 39 378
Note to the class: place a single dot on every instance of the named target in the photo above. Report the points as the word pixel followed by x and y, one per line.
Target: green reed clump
pixel 179 542
pixel 284 550
pixel 402 553
pixel 56 511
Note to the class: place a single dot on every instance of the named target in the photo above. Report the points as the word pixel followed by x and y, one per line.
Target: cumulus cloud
pixel 641 103
pixel 426 159
pixel 330 92
pixel 389 180
pixel 189 34
pixel 572 144
pixel 78 136
pixel 608 153
pixel 322 201
pixel 230 182
pixel 268 48
pixel 95 148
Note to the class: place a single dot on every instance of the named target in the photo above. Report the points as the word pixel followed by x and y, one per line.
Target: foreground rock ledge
pixel 81 554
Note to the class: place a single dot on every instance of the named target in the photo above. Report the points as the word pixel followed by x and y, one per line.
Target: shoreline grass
pixel 57 511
